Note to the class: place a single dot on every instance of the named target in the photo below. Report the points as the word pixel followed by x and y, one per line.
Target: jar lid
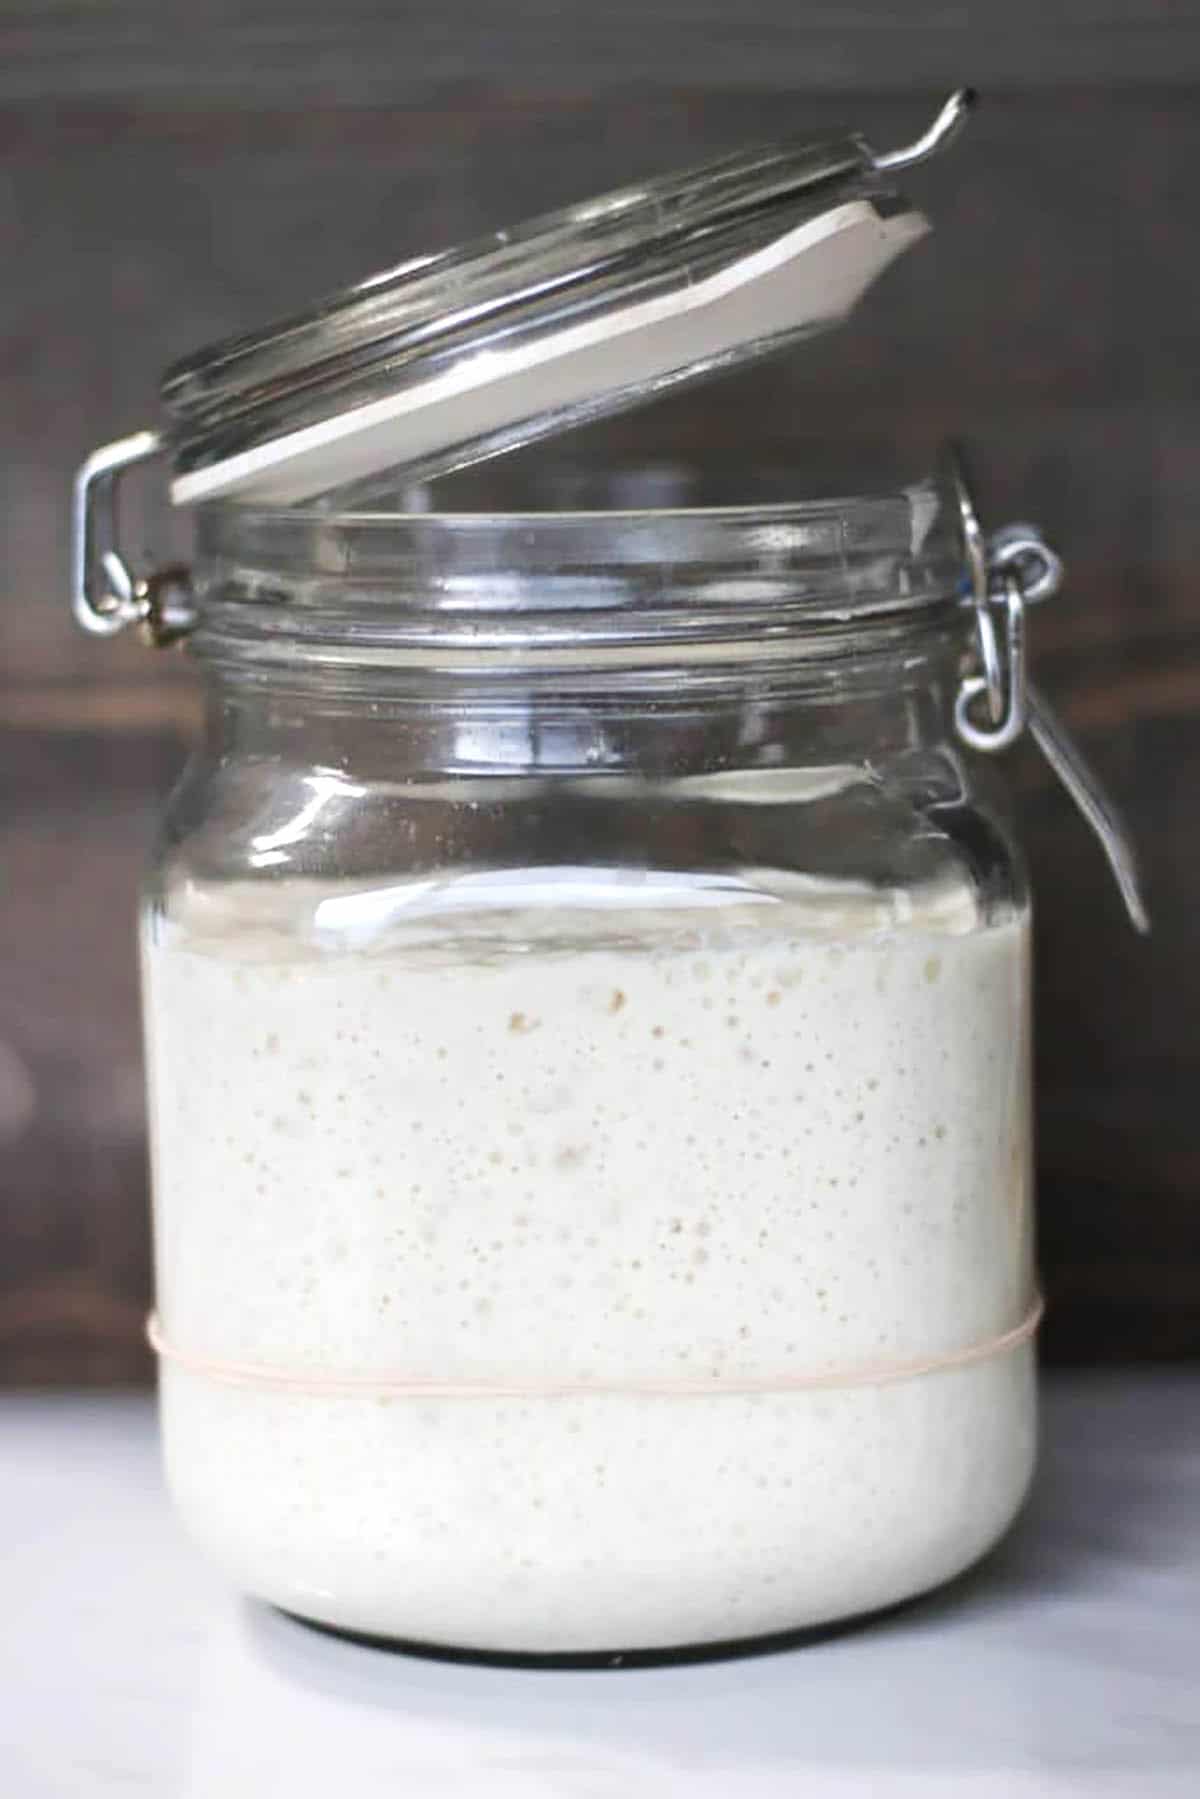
pixel 594 309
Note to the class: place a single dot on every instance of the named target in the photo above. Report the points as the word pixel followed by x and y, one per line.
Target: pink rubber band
pixel 399 1386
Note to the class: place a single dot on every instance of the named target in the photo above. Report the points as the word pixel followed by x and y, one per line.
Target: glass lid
pixel 452 357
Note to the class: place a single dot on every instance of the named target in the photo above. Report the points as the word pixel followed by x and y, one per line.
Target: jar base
pixel 435 1543
pixel 675 1655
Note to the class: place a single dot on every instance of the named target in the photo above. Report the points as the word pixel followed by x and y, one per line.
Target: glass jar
pixel 587 1014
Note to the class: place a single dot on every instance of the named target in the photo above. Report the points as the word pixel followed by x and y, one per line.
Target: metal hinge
pixel 158 603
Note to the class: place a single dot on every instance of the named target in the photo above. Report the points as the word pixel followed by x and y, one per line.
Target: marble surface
pixel 1068 1665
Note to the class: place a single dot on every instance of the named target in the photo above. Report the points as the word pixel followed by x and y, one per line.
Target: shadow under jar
pixel 588 1028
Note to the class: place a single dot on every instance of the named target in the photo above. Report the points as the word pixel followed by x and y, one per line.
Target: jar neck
pixel 671 641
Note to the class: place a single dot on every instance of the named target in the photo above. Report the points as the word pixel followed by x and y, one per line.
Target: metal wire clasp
pixel 1013 568
pixel 159 602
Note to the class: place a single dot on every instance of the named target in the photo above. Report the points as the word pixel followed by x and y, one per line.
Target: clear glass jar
pixel 587 1010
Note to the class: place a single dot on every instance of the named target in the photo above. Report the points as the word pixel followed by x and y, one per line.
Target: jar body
pixel 592 1208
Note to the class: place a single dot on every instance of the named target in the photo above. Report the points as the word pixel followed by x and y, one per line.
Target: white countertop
pixel 1068 1665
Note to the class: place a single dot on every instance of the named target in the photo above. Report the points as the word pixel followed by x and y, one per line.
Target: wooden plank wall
pixel 167 175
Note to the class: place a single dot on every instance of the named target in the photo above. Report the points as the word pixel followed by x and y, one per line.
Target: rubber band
pixel 401 1386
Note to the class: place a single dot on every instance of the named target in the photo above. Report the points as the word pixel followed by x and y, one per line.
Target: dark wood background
pixel 168 174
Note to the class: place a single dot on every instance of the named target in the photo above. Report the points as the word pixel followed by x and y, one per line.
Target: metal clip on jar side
pixel 159 603
pixel 1006 572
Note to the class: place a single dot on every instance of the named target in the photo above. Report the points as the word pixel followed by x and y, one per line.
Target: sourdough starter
pixel 779 1141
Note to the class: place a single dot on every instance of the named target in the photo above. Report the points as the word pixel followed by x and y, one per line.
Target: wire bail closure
pixel 1013 568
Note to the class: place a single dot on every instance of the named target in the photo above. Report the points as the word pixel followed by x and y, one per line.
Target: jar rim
pixel 755 575
pixel 351 516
